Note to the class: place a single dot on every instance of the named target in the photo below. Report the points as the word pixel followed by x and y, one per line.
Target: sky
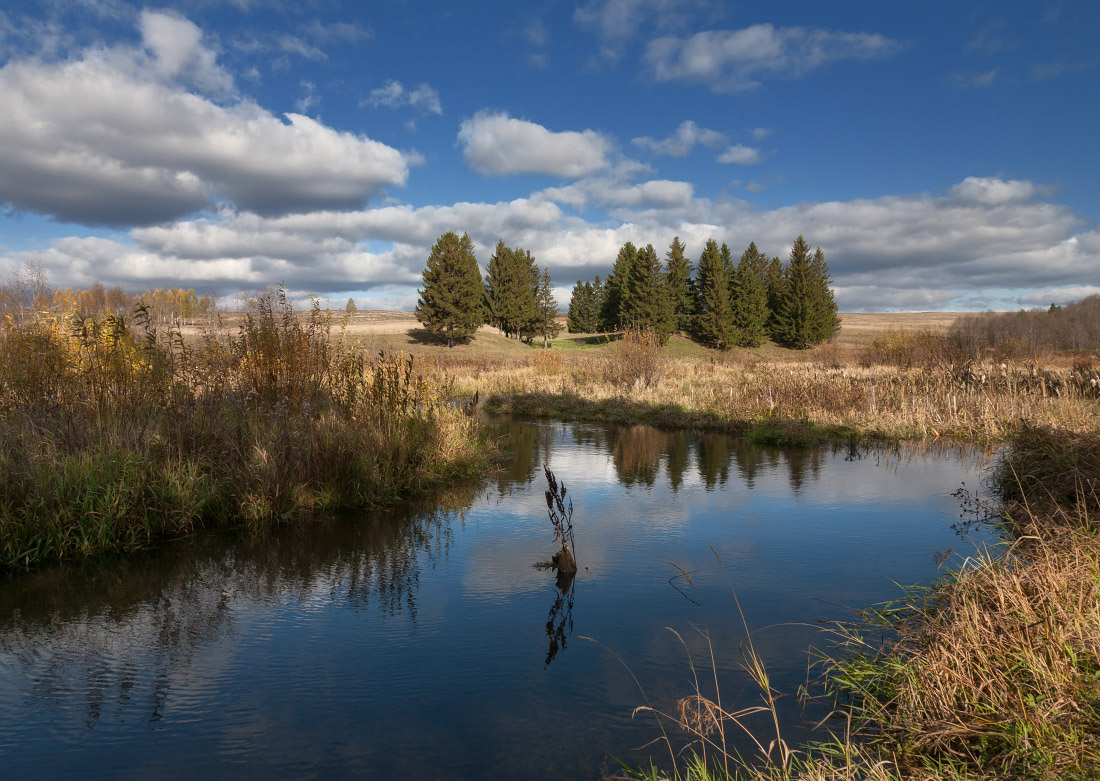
pixel 944 156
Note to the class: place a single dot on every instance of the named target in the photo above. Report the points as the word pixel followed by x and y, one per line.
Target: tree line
pixel 721 304
pixel 516 296
pixel 25 294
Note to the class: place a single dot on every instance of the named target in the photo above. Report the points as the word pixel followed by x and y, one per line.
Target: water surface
pixel 423 642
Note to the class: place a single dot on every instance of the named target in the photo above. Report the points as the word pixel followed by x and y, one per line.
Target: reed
pixel 114 435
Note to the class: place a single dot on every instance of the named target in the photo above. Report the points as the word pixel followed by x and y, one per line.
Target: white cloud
pixel 685 137
pixel 498 144
pixel 916 251
pixel 393 94
pixel 733 60
pixel 992 190
pixel 178 52
pixel 740 154
pixel 617 22
pixel 113 138
pixel 760 133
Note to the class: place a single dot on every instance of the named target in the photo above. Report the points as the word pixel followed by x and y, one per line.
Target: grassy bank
pixel 828 392
pixel 114 436
pixel 993 672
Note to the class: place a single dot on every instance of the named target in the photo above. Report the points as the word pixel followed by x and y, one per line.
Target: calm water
pixel 423 643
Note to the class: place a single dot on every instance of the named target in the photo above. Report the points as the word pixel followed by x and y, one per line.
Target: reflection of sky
pixel 417 648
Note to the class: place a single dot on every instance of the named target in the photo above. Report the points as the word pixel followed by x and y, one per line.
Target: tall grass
pixel 993 672
pixel 113 435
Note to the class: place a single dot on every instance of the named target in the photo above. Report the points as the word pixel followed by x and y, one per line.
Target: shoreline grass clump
pixel 114 435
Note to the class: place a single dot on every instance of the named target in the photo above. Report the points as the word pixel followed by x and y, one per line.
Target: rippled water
pixel 424 643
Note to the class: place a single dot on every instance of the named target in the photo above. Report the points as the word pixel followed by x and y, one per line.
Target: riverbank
pixel 991 672
pixel 114 436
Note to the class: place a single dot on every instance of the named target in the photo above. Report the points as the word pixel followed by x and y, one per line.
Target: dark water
pixel 423 643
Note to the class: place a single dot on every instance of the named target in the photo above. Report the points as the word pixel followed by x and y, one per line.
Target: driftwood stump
pixel 564 562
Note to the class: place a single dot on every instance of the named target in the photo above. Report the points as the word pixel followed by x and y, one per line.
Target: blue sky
pixel 943 155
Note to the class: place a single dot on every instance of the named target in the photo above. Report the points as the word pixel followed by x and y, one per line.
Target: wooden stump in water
pixel 564 561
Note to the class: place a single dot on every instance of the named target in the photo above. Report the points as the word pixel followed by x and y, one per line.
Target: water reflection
pixel 334 649
pixel 559 622
pixel 117 634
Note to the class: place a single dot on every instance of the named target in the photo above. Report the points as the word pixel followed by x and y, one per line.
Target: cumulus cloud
pixel 682 141
pixel 178 53
pixel 495 143
pixel 393 94
pixel 917 251
pixel 734 60
pixel 113 137
pixel 992 191
pixel 739 154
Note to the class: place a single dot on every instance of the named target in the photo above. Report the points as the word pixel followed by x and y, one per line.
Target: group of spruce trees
pixel 517 297
pixel 723 305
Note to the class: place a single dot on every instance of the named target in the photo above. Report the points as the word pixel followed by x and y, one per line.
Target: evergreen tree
pixel 644 300
pixel 807 312
pixel 496 285
pixel 599 296
pixel 523 285
pixel 678 282
pixel 450 303
pixel 546 309
pixel 826 323
pixel 579 301
pixel 351 307
pixel 773 287
pixel 749 300
pixel 510 291
pixel 584 308
pixel 714 321
pixel 616 299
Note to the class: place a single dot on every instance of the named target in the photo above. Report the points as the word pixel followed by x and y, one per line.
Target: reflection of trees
pixel 798 461
pixel 676 451
pixel 112 635
pixel 636 452
pixel 750 458
pixel 714 459
pixel 521 441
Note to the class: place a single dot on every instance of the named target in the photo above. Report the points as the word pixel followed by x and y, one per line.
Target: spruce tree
pixel 644 301
pixel 826 323
pixel 807 312
pixel 749 300
pixel 599 296
pixel 714 321
pixel 546 309
pixel 773 287
pixel 450 304
pixel 678 282
pixel 523 284
pixel 351 307
pixel 616 299
pixel 496 285
pixel 579 302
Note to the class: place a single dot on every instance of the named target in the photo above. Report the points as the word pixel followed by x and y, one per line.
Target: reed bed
pixel 114 435
pixel 973 400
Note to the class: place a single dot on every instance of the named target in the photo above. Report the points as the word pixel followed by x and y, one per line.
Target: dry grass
pixel 113 436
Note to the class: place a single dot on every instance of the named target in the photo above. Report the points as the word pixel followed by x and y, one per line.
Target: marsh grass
pixel 114 435
pixel 992 672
